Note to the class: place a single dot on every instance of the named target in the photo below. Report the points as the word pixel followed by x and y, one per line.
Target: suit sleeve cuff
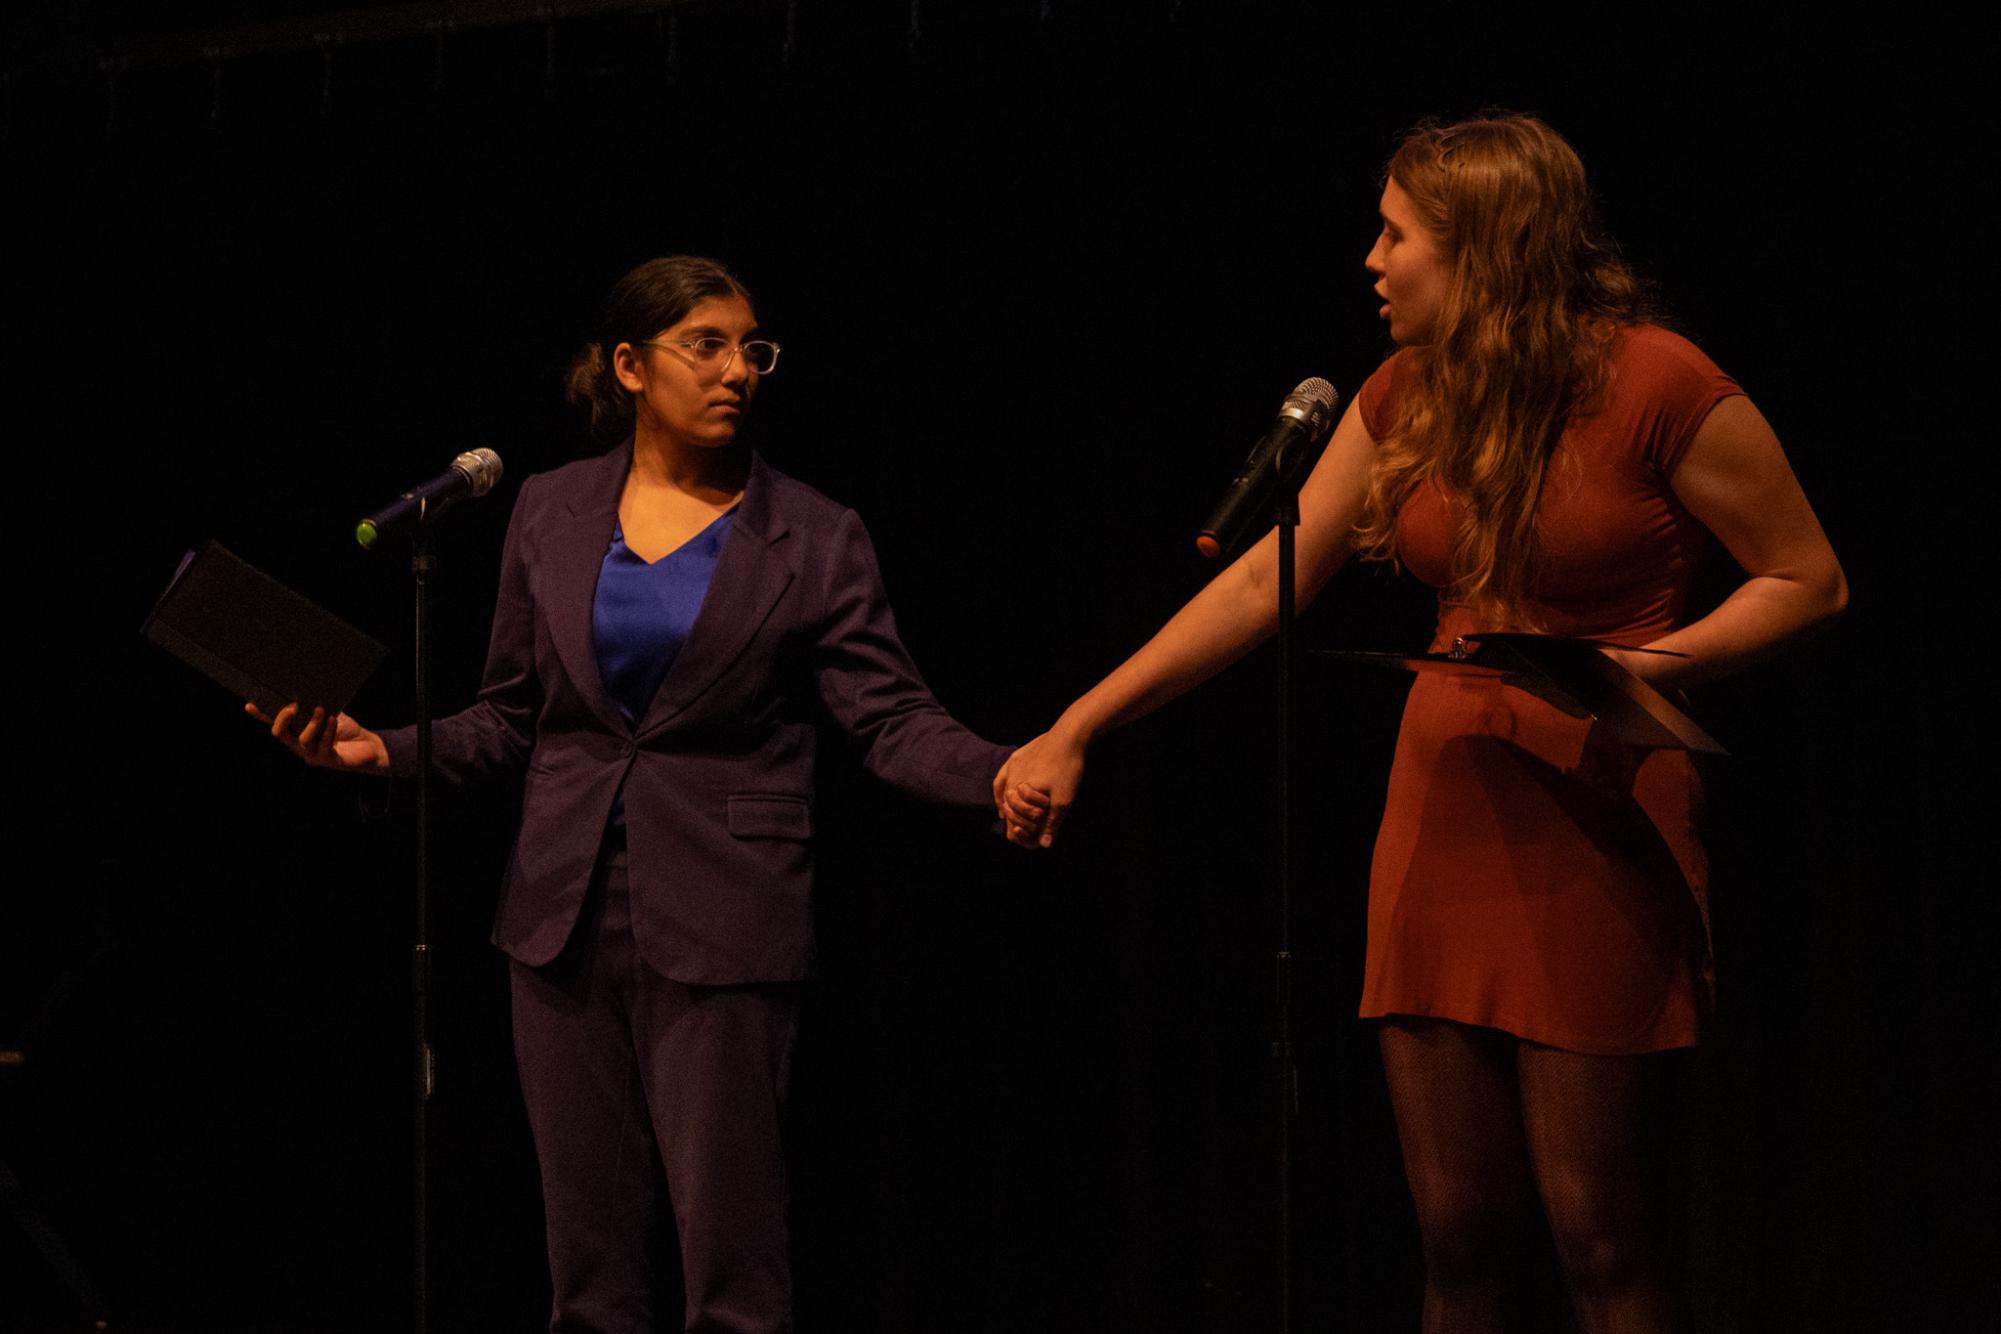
pixel 401 743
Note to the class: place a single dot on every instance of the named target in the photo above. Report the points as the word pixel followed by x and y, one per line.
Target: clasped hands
pixel 1035 787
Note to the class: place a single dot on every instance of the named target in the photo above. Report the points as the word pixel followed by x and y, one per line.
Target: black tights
pixel 1490 1122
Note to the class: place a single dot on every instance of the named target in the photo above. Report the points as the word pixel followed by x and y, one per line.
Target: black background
pixel 1041 270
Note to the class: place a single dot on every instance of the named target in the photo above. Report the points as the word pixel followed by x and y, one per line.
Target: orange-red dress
pixel 1527 877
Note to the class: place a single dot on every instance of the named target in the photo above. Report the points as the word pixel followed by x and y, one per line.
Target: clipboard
pixel 1570 674
pixel 256 638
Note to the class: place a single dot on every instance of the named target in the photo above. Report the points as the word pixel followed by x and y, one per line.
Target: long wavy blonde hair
pixel 1536 296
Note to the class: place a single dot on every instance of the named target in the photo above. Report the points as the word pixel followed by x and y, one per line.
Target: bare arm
pixel 1734 478
pixel 1229 617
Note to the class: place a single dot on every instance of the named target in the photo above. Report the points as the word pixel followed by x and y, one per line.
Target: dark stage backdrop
pixel 1042 270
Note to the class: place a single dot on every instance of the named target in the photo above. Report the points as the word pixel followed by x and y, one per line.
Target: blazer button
pixel 631 749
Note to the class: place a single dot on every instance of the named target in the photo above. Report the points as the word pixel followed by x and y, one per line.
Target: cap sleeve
pixel 1378 397
pixel 1678 384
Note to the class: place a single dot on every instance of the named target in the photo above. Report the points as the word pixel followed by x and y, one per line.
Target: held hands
pixel 1034 789
pixel 327 743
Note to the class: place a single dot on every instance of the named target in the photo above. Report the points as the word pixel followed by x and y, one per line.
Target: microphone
pixel 1304 420
pixel 472 473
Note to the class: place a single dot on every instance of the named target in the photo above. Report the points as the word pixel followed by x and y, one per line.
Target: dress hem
pixel 1584 1046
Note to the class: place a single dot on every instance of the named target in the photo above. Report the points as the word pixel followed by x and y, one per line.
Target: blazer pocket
pixel 770 817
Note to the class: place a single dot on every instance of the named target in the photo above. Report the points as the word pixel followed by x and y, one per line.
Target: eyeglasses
pixel 761 355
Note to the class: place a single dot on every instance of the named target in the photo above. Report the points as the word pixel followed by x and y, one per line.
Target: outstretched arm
pixel 1231 615
pixel 492 738
pixel 1734 478
pixel 872 688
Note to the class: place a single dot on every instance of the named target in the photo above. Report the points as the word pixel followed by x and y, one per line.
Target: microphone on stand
pixel 472 473
pixel 1294 440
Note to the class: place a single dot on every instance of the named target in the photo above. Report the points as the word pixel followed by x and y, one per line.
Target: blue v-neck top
pixel 644 612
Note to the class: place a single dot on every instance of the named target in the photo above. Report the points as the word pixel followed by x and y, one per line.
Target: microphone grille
pixel 1315 399
pixel 1312 404
pixel 481 468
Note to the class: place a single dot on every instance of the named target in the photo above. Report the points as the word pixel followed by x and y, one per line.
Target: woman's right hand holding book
pixel 338 742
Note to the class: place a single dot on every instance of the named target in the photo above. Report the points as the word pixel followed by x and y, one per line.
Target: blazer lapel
pixel 571 557
pixel 750 576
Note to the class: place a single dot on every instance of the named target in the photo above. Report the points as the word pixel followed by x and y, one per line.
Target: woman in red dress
pixel 1550 461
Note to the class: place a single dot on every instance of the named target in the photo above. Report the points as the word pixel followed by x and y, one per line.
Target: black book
pixel 256 638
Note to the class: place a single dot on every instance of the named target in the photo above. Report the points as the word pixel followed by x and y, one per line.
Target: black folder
pixel 257 638
pixel 1571 674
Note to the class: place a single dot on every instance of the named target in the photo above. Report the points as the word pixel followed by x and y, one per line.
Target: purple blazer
pixel 718 774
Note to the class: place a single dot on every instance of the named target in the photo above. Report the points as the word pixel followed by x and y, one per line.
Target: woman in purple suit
pixel 674 619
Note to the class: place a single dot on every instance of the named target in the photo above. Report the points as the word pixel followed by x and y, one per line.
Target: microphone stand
pixel 472 473
pixel 422 566
pixel 1285 504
